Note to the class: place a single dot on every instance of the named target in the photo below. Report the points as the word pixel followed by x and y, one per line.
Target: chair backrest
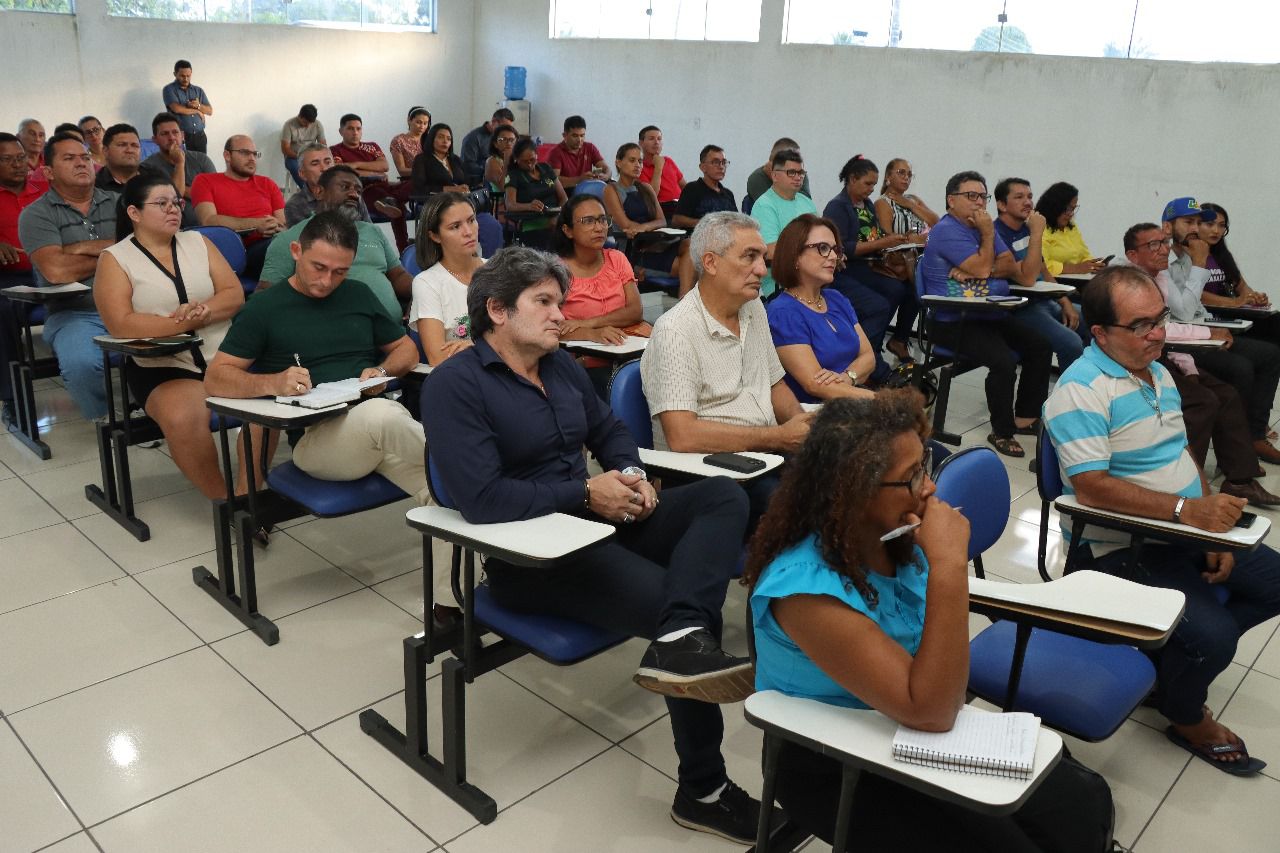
pixel 228 243
pixel 1048 474
pixel 417 341
pixel 626 398
pixel 747 203
pixel 545 149
pixel 409 260
pixel 938 452
pixel 435 483
pixel 591 188
pixel 490 234
pixel 975 480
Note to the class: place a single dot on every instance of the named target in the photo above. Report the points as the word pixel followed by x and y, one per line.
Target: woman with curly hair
pixel 842 616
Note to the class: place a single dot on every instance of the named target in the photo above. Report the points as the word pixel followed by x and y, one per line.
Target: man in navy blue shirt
pixel 190 104
pixel 506 422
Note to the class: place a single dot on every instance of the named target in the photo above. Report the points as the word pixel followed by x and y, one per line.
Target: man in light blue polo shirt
pixel 1115 420
pixel 190 104
pixel 782 203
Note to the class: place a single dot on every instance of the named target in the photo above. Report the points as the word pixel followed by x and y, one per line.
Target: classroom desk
pixel 122 430
pixel 27 368
pixel 691 464
pixel 240 516
pixel 1077 278
pixel 1042 290
pixel 1239 325
pixel 1245 312
pixel 624 351
pixel 862 740
pixel 1235 539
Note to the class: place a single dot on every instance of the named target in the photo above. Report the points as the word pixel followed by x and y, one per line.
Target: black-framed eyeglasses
pixel 718 163
pixel 914 485
pixel 1156 245
pixel 590 221
pixel 972 196
pixel 825 249
pixel 793 173
pixel 1142 328
pixel 165 203
pixel 248 152
pixel 13 159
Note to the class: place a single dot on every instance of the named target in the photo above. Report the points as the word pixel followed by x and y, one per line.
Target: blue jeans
pixel 70 336
pixel 291 164
pixel 1045 316
pixel 1204 641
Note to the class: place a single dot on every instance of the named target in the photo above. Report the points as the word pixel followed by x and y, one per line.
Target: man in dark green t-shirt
pixel 312 329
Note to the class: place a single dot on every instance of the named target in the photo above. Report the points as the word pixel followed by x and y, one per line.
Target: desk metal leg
pixel 24 404
pixel 844 816
pixel 115 496
pixel 234 537
pixel 450 775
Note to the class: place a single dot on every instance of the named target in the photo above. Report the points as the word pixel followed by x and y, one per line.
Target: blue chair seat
pixel 662 280
pixel 558 641
pixel 1076 686
pixel 328 498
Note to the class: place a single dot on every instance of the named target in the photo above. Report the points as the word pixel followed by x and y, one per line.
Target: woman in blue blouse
pixel 842 617
pixel 816 331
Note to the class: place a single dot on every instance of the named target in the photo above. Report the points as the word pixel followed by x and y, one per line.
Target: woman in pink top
pixel 603 302
pixel 405 147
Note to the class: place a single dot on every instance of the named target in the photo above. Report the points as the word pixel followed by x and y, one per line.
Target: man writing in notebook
pixel 318 327
pixel 1115 419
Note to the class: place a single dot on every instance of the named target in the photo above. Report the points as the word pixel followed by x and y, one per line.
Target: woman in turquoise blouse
pixel 843 617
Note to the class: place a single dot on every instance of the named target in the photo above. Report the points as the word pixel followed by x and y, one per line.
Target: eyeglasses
pixel 13 159
pixel 972 196
pixel 913 485
pixel 93 131
pixel 906 173
pixel 1142 328
pixel 718 163
pixel 506 140
pixel 166 204
pixel 592 221
pixel 793 173
pixel 825 249
pixel 1156 245
pixel 247 152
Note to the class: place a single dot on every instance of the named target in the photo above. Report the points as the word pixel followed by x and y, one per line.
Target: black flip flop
pixel 1246 766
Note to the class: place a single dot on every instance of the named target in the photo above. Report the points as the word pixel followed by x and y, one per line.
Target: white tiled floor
pixel 139 716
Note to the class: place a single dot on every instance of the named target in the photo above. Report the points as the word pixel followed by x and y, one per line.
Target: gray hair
pixel 311 146
pixel 510 272
pixel 715 234
pixel 22 125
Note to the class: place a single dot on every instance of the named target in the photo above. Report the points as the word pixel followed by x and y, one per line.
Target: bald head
pixel 241 157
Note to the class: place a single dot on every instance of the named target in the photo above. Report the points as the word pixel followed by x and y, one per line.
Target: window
pixel 417 15
pixel 63 7
pixel 1226 31
pixel 682 20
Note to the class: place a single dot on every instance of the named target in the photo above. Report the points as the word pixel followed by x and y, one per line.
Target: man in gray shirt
pixel 175 162
pixel 64 231
pixel 475 145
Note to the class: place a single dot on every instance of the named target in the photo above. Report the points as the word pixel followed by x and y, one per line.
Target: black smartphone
pixel 734 462
pixel 1107 259
pixel 1245 519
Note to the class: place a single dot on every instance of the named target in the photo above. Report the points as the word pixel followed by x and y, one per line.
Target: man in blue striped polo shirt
pixel 1115 419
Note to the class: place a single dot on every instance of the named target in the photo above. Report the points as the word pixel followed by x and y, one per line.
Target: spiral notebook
pixel 991 744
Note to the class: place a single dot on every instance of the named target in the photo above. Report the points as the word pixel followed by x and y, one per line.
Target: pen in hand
pixel 297 360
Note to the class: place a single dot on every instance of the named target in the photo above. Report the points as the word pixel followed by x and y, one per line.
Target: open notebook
pixel 992 744
pixel 328 394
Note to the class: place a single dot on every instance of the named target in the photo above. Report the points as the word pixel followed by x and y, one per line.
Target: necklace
pixel 820 302
pixel 1149 395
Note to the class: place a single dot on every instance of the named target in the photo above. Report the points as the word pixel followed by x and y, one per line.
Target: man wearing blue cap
pixel 1252 366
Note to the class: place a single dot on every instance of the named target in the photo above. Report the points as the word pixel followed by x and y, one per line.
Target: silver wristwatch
pixel 633 471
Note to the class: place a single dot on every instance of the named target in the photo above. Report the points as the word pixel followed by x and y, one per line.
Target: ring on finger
pixel 627 518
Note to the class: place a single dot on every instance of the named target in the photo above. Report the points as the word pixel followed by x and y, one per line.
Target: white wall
pixel 61 67
pixel 1130 134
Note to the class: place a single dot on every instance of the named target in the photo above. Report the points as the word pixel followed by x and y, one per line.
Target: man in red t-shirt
pixel 575 159
pixel 660 172
pixel 242 200
pixel 16 192
pixel 373 168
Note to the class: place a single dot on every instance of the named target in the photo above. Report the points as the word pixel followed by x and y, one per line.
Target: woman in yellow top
pixel 1063 246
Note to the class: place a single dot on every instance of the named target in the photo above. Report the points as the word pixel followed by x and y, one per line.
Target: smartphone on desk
pixel 734 462
pixel 1246 519
pixel 1003 298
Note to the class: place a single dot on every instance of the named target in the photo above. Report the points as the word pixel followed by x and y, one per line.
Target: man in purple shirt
pixel 507 420
pixel 575 159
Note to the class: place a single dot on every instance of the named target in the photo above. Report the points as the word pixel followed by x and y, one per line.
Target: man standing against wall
pixel 190 104
pixel 297 133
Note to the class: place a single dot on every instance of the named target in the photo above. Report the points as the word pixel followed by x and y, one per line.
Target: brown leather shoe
pixel 1266 451
pixel 1251 491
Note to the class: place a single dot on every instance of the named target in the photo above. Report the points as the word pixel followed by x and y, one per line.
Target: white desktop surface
pixel 632 344
pixel 1238 537
pixel 268 407
pixel 544 538
pixel 1092 594
pixel 1047 288
pixel 691 463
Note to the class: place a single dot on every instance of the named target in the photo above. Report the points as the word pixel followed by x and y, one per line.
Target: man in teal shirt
pixel 781 204
pixel 376 264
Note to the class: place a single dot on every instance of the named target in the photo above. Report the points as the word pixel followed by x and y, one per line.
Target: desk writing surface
pixel 266 408
pixel 1041 288
pixel 1245 310
pixel 155 347
pixel 51 293
pixel 1237 325
pixel 1077 277
pixel 1197 343
pixel 545 538
pixel 1091 594
pixel 633 344
pixel 1236 537
pixel 867 738
pixel 691 463
pixel 974 302
pixel 421 368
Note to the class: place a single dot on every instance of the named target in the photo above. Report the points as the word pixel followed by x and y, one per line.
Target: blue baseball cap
pixel 1185 206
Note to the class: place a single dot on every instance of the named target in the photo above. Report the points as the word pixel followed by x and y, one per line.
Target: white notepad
pixel 991 744
pixel 328 394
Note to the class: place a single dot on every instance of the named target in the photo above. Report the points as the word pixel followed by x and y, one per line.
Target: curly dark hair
pixel 1054 202
pixel 831 481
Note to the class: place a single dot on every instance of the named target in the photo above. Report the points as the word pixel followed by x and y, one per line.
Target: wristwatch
pixel 633 471
pixel 853 377
pixel 1177 510
pixel 382 370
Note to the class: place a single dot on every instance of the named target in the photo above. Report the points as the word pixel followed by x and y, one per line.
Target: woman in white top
pixel 448 253
pixel 159 281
